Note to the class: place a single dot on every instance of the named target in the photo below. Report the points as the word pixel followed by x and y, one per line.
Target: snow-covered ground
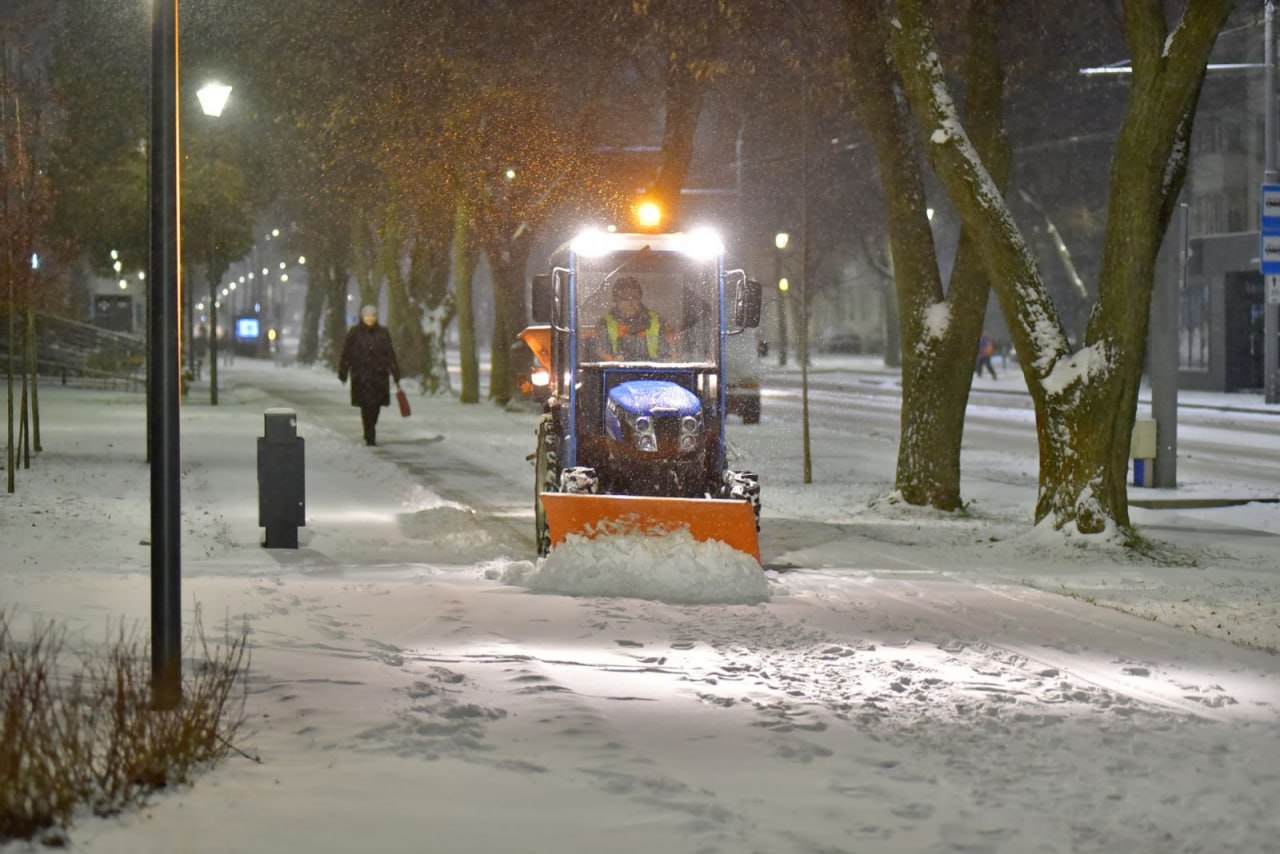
pixel 914 681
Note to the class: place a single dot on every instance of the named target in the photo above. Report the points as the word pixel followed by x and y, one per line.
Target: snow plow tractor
pixel 632 331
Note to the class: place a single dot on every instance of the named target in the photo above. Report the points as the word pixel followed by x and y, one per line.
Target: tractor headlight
pixel 634 427
pixel 690 427
pixel 540 377
pixel 643 433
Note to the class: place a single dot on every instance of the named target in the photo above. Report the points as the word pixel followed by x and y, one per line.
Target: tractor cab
pixel 634 328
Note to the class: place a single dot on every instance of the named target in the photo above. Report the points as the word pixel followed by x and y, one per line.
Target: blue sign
pixel 1271 208
pixel 1269 255
pixel 247 328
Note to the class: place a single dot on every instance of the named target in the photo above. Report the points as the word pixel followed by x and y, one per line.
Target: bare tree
pixel 939 328
pixel 1085 400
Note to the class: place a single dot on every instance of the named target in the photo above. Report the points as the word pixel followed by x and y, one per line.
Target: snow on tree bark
pixel 940 330
pixel 1083 426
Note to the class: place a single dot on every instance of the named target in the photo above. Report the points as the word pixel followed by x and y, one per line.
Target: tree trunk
pixel 939 332
pixel 367 261
pixel 35 372
pixel 1085 402
pixel 464 266
pixel 427 289
pixel 969 288
pixel 892 325
pixel 427 292
pixel 313 304
pixel 335 315
pixel 326 284
pixel 508 260
pixel 436 323
pixel 881 262
pixel 404 317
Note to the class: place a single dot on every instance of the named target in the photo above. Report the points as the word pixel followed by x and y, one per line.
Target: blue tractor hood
pixel 654 397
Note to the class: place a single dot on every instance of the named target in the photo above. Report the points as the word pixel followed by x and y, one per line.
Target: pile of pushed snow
pixel 445 520
pixel 673 568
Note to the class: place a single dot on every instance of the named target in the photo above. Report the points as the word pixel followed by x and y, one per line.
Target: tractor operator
pixel 630 329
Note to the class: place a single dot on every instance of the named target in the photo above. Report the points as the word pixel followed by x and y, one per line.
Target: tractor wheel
pixel 545 478
pixel 743 486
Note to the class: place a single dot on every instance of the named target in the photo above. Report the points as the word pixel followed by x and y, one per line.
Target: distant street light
pixel 213 98
pixel 780 241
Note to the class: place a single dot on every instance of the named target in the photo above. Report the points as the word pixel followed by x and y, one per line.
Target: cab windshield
pixel 674 320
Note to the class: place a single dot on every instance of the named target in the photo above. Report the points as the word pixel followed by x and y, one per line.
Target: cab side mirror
pixel 542 298
pixel 746 305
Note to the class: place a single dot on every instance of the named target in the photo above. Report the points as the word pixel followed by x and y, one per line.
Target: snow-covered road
pixel 1213 444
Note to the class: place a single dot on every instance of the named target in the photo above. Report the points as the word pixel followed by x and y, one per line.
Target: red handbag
pixel 403 400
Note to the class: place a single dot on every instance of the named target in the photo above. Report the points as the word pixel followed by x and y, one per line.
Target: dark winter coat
pixel 367 355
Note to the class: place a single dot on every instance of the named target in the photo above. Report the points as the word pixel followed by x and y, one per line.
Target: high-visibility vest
pixel 651 333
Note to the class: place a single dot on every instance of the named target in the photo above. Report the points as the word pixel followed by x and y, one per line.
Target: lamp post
pixel 165 288
pixel 780 241
pixel 213 98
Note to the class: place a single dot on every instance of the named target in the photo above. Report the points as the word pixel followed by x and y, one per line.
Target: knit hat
pixel 369 310
pixel 627 286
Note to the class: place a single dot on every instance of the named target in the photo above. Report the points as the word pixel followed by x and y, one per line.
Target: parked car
pixel 742 367
pixel 841 342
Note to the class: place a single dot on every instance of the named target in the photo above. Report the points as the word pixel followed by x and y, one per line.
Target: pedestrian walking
pixel 367 355
pixel 986 349
pixel 199 350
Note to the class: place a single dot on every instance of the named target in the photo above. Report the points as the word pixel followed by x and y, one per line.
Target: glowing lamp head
pixel 213 98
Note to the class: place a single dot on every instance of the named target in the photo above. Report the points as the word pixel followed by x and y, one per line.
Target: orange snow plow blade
pixel 538 339
pixel 729 521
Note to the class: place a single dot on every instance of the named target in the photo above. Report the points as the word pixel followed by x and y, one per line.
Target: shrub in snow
pixel 77 728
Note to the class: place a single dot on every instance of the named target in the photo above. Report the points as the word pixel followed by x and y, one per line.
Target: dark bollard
pixel 281 492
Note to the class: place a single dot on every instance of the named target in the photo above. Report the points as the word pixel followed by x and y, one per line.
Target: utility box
pixel 281 482
pixel 1142 450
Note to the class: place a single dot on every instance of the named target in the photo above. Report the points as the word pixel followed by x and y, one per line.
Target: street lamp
pixel 213 98
pixel 780 241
